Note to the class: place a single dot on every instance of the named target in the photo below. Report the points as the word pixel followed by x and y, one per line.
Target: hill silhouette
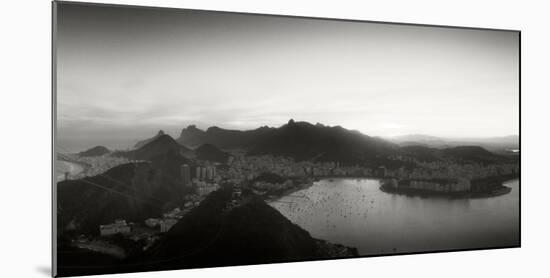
pixel 212 235
pixel 132 191
pixel 252 233
pixel 142 143
pixel 160 145
pixel 122 192
pixel 95 151
pixel 472 153
pixel 300 140
pixel 222 138
pixel 305 141
pixel 462 154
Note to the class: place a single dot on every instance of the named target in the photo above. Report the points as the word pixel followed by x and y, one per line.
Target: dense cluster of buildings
pixel 204 178
pixel 454 170
pixel 444 176
pixel 241 167
pixel 206 173
pixel 249 166
pixel 436 185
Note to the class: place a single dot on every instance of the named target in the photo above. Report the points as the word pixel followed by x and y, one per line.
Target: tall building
pixel 186 174
pixel 209 173
pixel 203 173
pixel 198 172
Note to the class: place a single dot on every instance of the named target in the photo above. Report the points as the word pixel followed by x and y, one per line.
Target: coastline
pixel 279 195
pixel 496 191
pixel 327 248
pixel 284 193
pixel 451 195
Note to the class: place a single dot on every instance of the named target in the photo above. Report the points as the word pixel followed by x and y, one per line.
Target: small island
pixel 454 188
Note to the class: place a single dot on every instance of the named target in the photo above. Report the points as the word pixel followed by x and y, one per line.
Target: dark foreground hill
pixel 250 233
pixel 122 192
pixel 95 151
pixel 213 235
pixel 133 191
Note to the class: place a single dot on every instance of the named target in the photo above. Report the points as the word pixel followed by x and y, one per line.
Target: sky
pixel 123 73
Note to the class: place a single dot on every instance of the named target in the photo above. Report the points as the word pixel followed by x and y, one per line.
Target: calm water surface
pixel 354 212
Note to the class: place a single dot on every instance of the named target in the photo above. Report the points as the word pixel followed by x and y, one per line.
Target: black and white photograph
pixel 188 138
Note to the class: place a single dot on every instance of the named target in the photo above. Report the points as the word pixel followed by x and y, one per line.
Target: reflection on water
pixel 354 212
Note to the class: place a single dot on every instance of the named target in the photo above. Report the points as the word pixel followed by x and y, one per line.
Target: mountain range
pixel 300 140
pixel 317 142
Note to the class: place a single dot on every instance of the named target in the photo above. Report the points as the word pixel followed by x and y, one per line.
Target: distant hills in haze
pixel 503 144
pixel 462 154
pixel 95 151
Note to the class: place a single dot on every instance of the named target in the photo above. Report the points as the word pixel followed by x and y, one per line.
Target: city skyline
pixel 122 78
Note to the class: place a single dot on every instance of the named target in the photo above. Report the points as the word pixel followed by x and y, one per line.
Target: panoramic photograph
pixel 191 139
